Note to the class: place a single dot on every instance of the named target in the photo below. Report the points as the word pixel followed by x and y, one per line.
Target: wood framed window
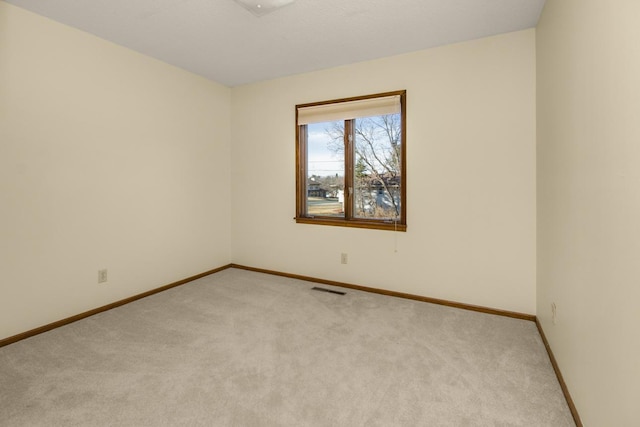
pixel 351 162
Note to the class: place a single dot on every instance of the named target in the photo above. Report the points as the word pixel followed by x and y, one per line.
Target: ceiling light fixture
pixel 262 7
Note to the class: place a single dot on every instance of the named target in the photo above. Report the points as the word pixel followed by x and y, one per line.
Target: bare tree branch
pixel 377 149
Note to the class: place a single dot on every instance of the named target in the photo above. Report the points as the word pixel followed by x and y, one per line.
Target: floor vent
pixel 331 291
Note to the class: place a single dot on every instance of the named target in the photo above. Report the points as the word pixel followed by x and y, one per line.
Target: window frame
pixel 349 220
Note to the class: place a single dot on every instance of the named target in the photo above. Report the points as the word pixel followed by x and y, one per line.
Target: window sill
pixel 355 223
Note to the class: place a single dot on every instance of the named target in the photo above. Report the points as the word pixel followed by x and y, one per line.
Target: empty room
pixel 320 213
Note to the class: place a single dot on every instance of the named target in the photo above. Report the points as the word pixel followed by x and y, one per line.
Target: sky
pixel 322 161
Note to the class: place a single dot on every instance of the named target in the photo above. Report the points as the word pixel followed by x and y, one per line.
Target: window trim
pixel 348 220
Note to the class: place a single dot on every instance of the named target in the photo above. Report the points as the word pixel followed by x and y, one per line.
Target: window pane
pixel 377 171
pixel 325 169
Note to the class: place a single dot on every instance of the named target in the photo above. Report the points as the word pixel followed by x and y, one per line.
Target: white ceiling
pixel 223 41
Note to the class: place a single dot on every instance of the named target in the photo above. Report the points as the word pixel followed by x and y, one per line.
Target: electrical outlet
pixel 343 258
pixel 102 276
pixel 554 310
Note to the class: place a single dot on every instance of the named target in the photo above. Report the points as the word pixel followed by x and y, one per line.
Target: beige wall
pixel 108 159
pixel 471 176
pixel 589 202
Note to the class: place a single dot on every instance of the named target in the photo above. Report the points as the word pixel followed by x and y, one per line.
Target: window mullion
pixel 348 169
pixel 302 160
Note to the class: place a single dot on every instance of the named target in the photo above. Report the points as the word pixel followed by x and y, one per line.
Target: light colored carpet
pixel 240 348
